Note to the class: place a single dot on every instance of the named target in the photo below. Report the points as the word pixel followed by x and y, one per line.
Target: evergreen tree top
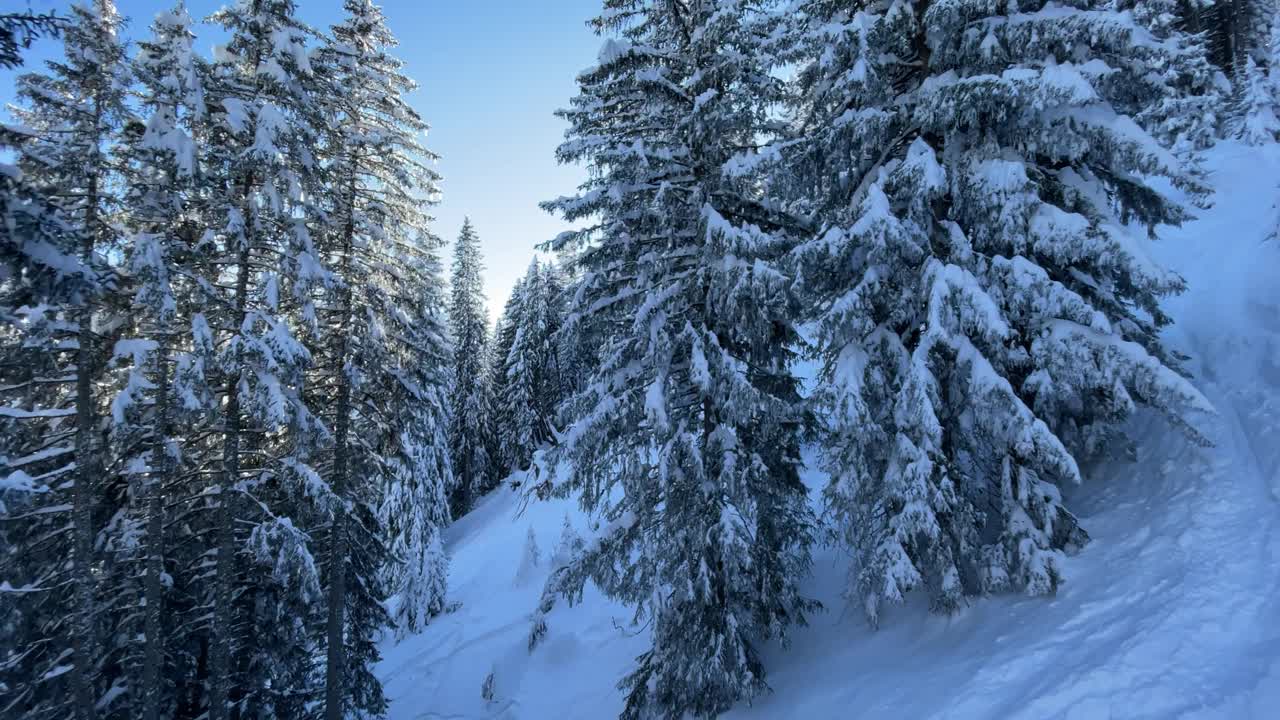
pixel 468 278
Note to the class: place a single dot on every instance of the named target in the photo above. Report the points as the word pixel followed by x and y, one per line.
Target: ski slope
pixel 1173 611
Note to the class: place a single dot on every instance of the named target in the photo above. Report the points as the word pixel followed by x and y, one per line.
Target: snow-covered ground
pixel 1173 611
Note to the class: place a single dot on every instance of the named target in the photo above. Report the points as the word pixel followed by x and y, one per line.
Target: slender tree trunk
pixel 335 666
pixel 1235 42
pixel 220 652
pixel 153 652
pixel 224 521
pixel 335 662
pixel 82 643
pixel 87 471
pixel 465 481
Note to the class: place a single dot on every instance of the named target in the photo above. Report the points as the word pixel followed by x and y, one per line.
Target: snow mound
pixel 1172 611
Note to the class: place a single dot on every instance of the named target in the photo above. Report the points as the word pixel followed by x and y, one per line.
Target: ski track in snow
pixel 1172 611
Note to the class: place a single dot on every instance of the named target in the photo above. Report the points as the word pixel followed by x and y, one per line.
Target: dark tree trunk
pixel 87 469
pixel 335 661
pixel 153 653
pixel 220 650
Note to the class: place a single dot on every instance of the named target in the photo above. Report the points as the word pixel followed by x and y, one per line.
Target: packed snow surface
pixel 1172 611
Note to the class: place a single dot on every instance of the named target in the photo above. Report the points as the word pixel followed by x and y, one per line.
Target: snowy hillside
pixel 1172 611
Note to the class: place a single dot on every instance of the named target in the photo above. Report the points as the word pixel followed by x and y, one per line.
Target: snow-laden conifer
pixel 471 395
pixel 1258 124
pixel 382 360
pixel 501 412
pixel 59 284
pixel 152 405
pixel 259 140
pixel 986 305
pixel 1182 101
pixel 415 505
pixel 568 548
pixel 531 383
pixel 1257 107
pixel 684 438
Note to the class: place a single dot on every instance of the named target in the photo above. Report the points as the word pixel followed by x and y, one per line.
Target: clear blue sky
pixel 491 72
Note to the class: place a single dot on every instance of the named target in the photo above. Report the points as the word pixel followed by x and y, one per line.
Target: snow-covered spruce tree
pixel 531 387
pixel 55 465
pixel 521 370
pixel 384 360
pixel 1257 101
pixel 258 147
pixel 576 354
pixel 569 547
pixel 151 406
pixel 501 413
pixel 40 274
pixel 415 506
pixel 532 366
pixel 1181 103
pixel 471 401
pixel 685 438
pixel 986 307
pixel 1256 105
pixel 569 357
